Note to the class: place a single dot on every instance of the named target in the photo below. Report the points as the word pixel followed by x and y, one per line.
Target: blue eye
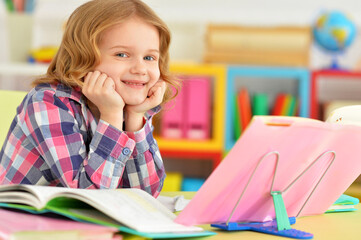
pixel 149 58
pixel 123 55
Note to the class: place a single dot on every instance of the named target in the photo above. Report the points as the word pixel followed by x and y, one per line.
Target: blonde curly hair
pixel 78 52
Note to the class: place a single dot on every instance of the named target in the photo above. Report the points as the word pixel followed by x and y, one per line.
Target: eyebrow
pixel 127 47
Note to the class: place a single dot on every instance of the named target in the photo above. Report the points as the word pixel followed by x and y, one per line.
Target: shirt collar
pixel 73 93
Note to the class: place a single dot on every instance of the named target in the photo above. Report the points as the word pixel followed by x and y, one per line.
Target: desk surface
pixel 330 226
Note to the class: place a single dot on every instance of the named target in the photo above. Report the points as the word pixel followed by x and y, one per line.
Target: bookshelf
pixel 266 80
pixel 331 86
pixel 208 149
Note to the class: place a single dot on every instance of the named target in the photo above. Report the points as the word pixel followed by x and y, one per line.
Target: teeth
pixel 135 84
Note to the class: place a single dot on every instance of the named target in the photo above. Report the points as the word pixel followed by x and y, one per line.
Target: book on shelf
pixel 129 210
pixel 285 105
pixel 292 106
pixel 260 104
pixel 245 109
pixel 289 106
pixel 279 104
pixel 236 118
pixel 16 225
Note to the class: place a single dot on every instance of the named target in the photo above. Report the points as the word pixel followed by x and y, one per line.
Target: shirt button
pixel 126 151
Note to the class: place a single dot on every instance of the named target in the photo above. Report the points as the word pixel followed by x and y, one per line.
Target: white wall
pixel 187 20
pixel 254 12
pixel 3 39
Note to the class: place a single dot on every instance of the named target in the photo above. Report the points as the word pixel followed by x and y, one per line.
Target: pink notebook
pixel 299 142
pixel 15 222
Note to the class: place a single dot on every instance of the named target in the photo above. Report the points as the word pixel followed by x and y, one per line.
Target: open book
pixel 130 210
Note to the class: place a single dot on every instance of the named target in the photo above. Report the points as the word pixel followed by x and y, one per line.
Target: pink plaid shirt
pixel 55 140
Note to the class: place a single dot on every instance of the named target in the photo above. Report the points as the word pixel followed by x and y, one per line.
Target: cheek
pixel 155 76
pixel 118 86
pixel 106 67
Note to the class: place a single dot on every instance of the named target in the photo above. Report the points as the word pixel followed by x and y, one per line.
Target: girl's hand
pixel 155 97
pixel 100 90
pixel 135 113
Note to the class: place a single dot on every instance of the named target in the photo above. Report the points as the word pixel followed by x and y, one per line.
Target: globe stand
pixel 334 64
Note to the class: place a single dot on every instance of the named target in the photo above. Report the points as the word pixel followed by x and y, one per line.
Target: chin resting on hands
pixel 154 98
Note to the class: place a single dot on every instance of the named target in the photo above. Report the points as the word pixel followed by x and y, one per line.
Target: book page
pixel 133 208
pixel 19 197
pixel 35 196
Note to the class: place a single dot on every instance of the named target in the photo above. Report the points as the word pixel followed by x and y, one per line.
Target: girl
pixel 88 122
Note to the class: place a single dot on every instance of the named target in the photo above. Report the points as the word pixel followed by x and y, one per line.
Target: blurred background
pixel 279 57
pixel 188 21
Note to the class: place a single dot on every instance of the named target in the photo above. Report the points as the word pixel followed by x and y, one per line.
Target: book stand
pixel 291 159
pixel 280 226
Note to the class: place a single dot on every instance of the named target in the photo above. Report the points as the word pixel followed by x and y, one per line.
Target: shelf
pixel 216 142
pixel 333 85
pixel 268 80
pixel 22 69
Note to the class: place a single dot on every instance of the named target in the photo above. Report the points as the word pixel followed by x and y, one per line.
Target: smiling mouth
pixel 139 84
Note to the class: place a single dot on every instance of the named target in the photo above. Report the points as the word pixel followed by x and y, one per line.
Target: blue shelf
pixel 269 76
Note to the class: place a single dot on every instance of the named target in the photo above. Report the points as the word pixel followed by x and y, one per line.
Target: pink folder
pixel 198 108
pixel 172 124
pixel 299 143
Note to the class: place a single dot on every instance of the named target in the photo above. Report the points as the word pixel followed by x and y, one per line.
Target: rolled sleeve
pixel 145 168
pixel 112 141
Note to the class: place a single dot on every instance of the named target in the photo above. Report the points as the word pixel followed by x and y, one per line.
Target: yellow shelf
pixel 185 144
pixel 218 74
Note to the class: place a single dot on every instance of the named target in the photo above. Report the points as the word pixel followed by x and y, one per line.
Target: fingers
pixel 95 83
pixel 155 97
pixel 99 82
pixel 94 80
pixel 156 93
pixel 89 80
pixel 159 85
pixel 109 84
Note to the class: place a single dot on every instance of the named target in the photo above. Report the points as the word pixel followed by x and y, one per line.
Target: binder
pixel 172 124
pixel 198 107
pixel 302 163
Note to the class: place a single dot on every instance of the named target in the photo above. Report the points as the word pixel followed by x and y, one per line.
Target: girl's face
pixel 130 56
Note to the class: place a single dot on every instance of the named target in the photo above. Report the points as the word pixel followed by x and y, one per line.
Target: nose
pixel 138 67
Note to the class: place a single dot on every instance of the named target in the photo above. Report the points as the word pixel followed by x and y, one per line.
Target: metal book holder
pixel 281 225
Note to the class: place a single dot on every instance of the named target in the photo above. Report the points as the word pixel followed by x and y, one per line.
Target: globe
pixel 334 31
